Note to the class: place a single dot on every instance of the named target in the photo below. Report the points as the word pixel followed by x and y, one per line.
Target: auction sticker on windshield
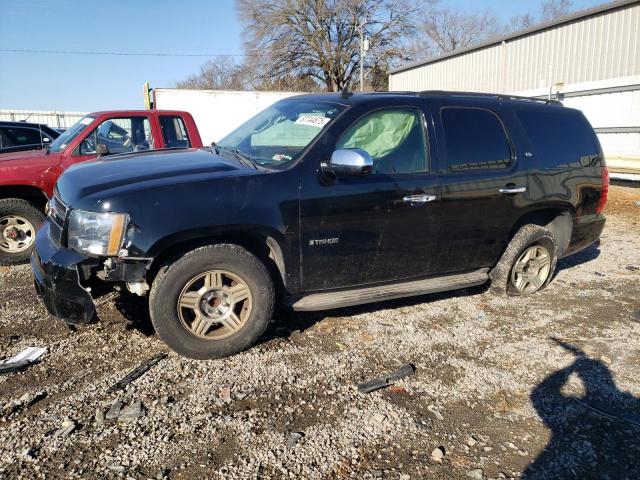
pixel 312 120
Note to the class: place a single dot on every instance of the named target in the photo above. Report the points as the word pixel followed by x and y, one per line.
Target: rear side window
pixel 474 139
pixel 560 139
pixel 5 141
pixel 174 132
pixel 24 136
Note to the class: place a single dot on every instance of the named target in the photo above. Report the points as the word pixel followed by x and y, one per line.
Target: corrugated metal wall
pixel 595 48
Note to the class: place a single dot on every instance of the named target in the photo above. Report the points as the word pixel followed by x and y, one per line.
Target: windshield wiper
pixel 241 157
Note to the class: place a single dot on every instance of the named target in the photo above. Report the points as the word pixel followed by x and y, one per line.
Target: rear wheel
pixel 19 221
pixel 527 264
pixel 213 302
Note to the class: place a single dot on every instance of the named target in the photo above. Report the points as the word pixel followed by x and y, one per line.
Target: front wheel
pixel 19 221
pixel 213 302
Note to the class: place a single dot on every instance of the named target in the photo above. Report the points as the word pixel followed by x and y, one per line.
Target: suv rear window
pixel 23 136
pixel 560 138
pixel 474 139
pixel 174 132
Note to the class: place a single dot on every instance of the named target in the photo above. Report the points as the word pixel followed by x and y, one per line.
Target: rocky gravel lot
pixel 544 386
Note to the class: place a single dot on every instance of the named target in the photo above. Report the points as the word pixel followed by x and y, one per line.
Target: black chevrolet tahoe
pixel 323 201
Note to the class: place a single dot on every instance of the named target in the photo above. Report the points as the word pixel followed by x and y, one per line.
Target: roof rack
pixel 497 96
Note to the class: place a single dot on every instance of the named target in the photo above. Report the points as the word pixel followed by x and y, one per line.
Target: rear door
pixel 380 227
pixel 174 132
pixel 483 190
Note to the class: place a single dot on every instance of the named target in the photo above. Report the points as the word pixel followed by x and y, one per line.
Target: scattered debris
pixel 114 410
pixel 294 438
pixel 67 427
pixel 438 454
pixel 435 412
pixel 471 441
pixel 397 389
pixel 476 474
pixel 136 372
pixel 134 410
pixel 22 360
pixel 637 202
pixel 632 268
pixel 99 417
pixel 444 329
pixel 225 394
pixel 383 381
pixel 606 414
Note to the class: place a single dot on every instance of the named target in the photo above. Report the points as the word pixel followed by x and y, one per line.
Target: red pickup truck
pixel 27 178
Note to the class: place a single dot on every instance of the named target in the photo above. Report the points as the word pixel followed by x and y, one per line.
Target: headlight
pixel 96 233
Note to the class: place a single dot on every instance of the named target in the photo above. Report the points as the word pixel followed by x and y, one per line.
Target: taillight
pixel 604 193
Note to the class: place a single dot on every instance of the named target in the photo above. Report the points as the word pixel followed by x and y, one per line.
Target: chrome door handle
pixel 419 198
pixel 513 189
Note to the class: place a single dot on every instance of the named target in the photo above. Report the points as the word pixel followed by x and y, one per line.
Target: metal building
pixel 590 60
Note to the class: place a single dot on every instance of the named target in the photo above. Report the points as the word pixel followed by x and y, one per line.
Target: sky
pixel 72 82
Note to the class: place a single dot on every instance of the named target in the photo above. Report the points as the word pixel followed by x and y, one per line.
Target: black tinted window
pixel 174 132
pixel 23 136
pixel 474 139
pixel 560 138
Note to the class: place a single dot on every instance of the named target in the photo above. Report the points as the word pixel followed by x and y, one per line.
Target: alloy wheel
pixel 531 270
pixel 214 304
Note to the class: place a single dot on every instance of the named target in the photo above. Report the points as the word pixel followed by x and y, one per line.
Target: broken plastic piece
pixel 384 380
pixel 26 357
pixel 136 372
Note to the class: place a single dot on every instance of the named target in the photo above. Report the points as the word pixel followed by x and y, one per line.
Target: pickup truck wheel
pixel 19 221
pixel 212 302
pixel 527 264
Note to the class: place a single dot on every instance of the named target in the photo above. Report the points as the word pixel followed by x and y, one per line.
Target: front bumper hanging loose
pixel 57 280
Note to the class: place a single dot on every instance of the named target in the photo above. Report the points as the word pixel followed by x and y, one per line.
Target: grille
pixel 57 211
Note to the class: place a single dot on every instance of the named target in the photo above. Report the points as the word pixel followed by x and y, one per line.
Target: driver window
pixel 394 138
pixel 120 135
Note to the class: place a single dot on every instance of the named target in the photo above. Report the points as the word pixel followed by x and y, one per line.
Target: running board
pixel 358 296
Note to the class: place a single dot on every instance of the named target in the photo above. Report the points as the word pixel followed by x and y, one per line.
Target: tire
pixel 19 221
pixel 504 277
pixel 194 302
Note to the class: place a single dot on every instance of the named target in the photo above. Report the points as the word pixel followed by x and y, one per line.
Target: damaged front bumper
pixel 56 272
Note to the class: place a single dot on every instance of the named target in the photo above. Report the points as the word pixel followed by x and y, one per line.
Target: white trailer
pixel 216 112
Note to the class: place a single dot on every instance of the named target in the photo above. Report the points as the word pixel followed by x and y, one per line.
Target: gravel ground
pixel 544 386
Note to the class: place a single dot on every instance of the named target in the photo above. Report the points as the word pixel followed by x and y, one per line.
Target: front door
pixel 380 227
pixel 119 135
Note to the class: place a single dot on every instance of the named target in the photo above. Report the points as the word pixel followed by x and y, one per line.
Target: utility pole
pixel 364 48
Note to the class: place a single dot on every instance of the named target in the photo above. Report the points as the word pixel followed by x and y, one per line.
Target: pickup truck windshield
pixel 276 136
pixel 60 143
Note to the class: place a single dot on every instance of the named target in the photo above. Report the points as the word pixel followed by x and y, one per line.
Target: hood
pixel 96 180
pixel 24 155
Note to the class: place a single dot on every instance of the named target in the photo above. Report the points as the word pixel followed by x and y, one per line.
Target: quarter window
pixel 394 138
pixel 174 132
pixel 120 135
pixel 474 139
pixel 561 139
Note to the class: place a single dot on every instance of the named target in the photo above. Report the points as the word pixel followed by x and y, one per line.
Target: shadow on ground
pixel 590 253
pixel 594 435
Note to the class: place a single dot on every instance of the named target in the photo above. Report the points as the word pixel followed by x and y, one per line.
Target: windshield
pixel 276 136
pixel 70 134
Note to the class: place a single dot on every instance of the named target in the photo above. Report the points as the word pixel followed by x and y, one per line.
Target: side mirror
pixel 102 149
pixel 350 162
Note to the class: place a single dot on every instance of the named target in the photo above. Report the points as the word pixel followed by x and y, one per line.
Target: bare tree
pixel 320 39
pixel 520 22
pixel 551 9
pixel 445 29
pixel 220 73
